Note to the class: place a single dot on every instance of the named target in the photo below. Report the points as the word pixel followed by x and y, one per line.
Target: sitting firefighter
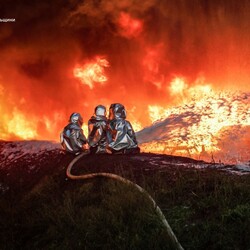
pixel 97 126
pixel 121 136
pixel 72 137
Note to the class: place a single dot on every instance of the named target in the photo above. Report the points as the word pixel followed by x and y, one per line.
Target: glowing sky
pixel 145 43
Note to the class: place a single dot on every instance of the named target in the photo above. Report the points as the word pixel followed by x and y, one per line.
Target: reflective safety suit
pixel 97 137
pixel 72 138
pixel 121 136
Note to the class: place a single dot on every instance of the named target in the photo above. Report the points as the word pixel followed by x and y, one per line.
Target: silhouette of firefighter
pixel 97 127
pixel 120 134
pixel 72 137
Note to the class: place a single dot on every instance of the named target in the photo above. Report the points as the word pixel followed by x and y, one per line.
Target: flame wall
pixel 146 44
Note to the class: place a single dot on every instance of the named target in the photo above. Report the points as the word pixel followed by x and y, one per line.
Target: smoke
pixel 147 43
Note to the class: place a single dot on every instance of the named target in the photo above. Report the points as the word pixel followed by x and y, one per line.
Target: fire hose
pixel 128 182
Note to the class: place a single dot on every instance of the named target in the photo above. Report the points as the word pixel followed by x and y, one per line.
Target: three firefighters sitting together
pixel 114 135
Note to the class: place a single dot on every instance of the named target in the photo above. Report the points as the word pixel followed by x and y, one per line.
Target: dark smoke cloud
pixel 39 50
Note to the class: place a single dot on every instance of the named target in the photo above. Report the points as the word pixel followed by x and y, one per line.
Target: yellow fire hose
pixel 119 178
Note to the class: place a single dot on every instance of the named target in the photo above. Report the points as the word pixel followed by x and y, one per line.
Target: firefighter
pixel 72 137
pixel 121 136
pixel 97 127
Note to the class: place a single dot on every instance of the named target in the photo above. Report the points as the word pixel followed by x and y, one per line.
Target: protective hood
pixel 100 110
pixel 76 118
pixel 116 111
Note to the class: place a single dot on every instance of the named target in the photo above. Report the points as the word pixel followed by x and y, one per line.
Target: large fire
pixel 203 126
pixel 130 27
pixel 92 72
pixel 181 68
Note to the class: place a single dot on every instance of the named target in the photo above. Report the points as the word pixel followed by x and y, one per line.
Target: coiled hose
pixel 126 181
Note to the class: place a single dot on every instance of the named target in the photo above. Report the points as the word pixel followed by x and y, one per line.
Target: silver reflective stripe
pixel 61 137
pixel 67 145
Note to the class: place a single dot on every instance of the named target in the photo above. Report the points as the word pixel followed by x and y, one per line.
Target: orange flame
pixel 92 72
pixel 197 126
pixel 156 48
pixel 130 27
pixel 151 64
pixel 19 125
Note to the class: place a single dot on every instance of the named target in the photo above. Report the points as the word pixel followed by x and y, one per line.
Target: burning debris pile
pixel 215 127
